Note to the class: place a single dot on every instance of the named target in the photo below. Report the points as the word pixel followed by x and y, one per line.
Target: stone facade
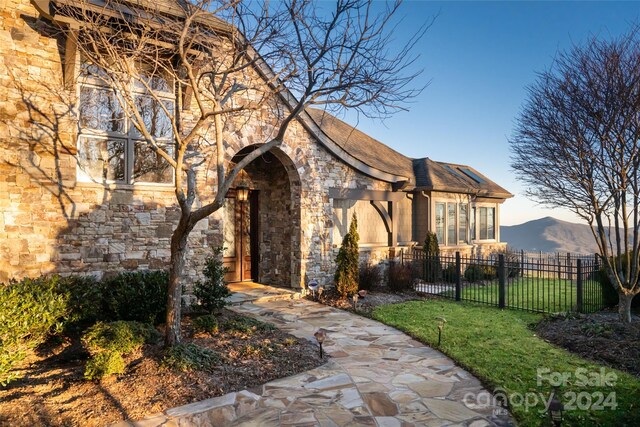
pixel 49 222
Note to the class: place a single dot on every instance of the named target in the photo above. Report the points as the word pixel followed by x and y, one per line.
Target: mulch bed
pixel 600 337
pixel 53 391
pixel 365 305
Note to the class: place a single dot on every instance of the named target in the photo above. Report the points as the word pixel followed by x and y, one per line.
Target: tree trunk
pixel 624 306
pixel 174 292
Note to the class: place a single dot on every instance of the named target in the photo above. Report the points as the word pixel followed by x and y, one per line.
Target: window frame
pixel 461 236
pixel 479 236
pixel 441 239
pixel 130 136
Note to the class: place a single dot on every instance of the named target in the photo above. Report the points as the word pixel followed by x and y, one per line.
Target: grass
pixel 535 294
pixel 500 348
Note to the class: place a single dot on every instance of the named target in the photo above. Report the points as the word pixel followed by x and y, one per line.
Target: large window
pixel 462 223
pixel 451 221
pixel 440 221
pixel 110 148
pixel 486 223
pixel 451 224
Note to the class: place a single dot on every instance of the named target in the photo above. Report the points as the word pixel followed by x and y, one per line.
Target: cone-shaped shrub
pixel 347 273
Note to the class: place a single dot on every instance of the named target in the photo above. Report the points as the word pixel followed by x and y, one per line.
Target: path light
pixel 313 287
pixel 355 302
pixel 555 409
pixel 320 335
pixel 441 322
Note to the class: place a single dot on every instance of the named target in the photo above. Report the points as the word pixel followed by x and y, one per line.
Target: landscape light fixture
pixel 320 335
pixel 441 323
pixel 313 286
pixel 555 409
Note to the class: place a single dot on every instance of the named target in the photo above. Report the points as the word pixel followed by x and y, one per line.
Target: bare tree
pixel 577 146
pixel 225 60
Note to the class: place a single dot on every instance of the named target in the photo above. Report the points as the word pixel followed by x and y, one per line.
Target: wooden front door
pixel 240 238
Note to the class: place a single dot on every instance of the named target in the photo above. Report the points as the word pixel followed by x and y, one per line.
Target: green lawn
pixel 536 294
pixel 499 347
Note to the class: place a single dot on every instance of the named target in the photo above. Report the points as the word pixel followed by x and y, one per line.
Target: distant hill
pixel 549 235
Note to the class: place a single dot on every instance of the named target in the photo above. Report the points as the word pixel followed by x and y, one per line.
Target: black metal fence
pixel 550 284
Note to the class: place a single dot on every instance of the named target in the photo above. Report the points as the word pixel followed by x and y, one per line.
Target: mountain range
pixel 549 235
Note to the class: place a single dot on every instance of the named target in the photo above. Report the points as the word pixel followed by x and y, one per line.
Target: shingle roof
pixel 420 174
pixel 363 147
pixel 456 178
pixel 423 174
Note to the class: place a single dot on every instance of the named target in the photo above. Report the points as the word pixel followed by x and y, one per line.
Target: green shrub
pixel 213 291
pixel 207 324
pixel 246 325
pixel 400 277
pixel 30 309
pixel 108 342
pixel 370 276
pixel 449 274
pixel 511 263
pixel 121 336
pixel 346 276
pixel 84 295
pixel 433 269
pixel 190 357
pixel 104 364
pixel 609 293
pixel 476 272
pixel 139 296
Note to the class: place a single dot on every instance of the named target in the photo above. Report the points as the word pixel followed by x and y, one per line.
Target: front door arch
pixel 272 253
pixel 240 254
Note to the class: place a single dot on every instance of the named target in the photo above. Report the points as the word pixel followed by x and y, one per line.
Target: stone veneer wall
pixel 51 223
pixel 275 219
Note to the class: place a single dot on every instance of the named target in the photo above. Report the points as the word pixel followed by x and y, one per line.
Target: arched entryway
pixel 262 233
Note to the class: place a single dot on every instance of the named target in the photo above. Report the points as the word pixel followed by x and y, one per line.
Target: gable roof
pixel 352 146
pixel 455 178
pixel 363 147
pixel 422 174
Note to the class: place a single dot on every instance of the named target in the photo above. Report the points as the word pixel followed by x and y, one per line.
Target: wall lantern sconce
pixel 242 193
pixel 242 189
pixel 320 335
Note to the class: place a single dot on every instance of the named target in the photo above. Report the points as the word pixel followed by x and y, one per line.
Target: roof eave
pixel 479 193
pixel 335 149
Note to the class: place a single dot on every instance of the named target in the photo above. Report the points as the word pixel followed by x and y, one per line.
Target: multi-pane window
pixel 110 147
pixel 440 221
pixel 462 223
pixel 486 223
pixel 472 224
pixel 451 224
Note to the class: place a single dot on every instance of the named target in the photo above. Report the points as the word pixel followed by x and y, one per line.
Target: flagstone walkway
pixel 377 376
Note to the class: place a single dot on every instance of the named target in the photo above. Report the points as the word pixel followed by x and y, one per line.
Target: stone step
pixel 239 298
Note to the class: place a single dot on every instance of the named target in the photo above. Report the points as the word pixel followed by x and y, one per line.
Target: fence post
pixel 579 286
pixel 501 281
pixel 458 277
pixel 521 262
pixel 425 267
pixel 402 256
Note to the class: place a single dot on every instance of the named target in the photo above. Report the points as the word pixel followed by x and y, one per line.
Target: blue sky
pixel 479 57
